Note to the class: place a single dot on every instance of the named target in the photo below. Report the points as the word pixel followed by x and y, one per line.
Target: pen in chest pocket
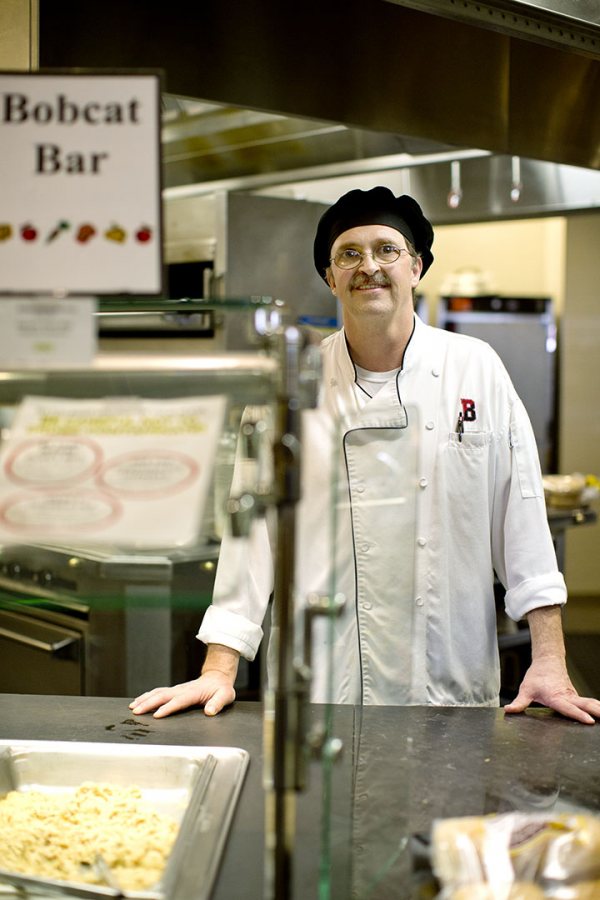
pixel 459 426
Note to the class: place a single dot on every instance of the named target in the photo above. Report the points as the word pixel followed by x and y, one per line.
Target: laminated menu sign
pixel 80 184
pixel 125 472
pixel 47 332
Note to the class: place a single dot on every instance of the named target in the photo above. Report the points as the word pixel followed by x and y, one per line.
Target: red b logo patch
pixel 469 414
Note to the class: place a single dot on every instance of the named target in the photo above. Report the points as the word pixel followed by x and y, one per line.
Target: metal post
pixel 283 739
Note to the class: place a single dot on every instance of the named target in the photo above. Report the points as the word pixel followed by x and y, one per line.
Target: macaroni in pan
pixel 60 836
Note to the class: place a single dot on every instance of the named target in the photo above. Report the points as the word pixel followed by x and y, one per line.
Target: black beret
pixel 375 207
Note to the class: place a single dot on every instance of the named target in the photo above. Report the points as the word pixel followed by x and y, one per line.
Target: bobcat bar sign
pixel 80 183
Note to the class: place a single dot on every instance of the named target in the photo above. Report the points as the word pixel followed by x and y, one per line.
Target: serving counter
pixel 401 768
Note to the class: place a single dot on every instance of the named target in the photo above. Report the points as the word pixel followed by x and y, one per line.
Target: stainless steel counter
pixel 401 768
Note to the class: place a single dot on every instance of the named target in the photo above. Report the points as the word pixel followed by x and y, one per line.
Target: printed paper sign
pixel 126 472
pixel 44 333
pixel 80 184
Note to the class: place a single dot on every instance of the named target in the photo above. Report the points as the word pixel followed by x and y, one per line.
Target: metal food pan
pixel 197 786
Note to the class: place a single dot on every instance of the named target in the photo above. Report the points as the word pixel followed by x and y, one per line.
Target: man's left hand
pixel 547 682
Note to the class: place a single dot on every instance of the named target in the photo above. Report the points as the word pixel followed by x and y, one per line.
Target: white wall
pixel 521 257
pixel 580 388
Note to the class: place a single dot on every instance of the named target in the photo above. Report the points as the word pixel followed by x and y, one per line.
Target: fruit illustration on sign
pixel 85 232
pixel 28 232
pixel 143 234
pixel 115 233
pixel 5 231
pixel 63 225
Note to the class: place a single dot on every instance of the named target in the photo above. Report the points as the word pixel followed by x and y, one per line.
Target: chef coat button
pixel 360 488
pixel 333 382
pixel 423 482
pixel 367 605
pixel 421 542
pixel 435 373
pixel 430 426
pixel 364 548
pixel 419 601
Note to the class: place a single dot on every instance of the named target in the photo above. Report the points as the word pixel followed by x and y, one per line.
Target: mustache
pixel 378 279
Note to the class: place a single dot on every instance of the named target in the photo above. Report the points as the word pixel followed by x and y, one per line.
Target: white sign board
pixel 47 333
pixel 124 472
pixel 80 184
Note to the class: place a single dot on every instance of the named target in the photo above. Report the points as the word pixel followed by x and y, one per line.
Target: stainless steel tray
pixel 197 786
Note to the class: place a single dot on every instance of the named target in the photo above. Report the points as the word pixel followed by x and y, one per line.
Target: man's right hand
pixel 213 689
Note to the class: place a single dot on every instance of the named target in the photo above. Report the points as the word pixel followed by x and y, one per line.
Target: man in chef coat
pixel 428 637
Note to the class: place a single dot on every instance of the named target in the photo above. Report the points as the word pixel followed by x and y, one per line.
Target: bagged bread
pixel 518 856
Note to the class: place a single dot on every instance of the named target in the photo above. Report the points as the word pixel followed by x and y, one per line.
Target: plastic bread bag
pixel 517 856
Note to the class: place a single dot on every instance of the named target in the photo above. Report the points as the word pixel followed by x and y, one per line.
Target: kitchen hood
pixel 210 149
pixel 489 95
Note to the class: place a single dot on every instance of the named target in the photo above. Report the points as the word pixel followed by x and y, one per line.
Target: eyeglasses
pixel 385 255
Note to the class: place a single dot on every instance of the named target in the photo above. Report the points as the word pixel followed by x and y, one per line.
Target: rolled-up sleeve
pixel 220 626
pixel 545 590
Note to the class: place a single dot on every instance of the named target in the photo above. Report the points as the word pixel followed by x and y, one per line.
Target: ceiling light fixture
pixel 517 186
pixel 455 193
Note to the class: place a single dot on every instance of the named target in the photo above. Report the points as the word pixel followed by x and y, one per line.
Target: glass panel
pixel 355 538
pixel 124 595
pixel 133 605
pixel 362 655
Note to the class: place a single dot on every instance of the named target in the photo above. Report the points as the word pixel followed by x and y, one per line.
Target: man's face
pixel 373 288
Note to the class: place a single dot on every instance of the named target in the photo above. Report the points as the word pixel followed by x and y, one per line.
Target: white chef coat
pixel 413 546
